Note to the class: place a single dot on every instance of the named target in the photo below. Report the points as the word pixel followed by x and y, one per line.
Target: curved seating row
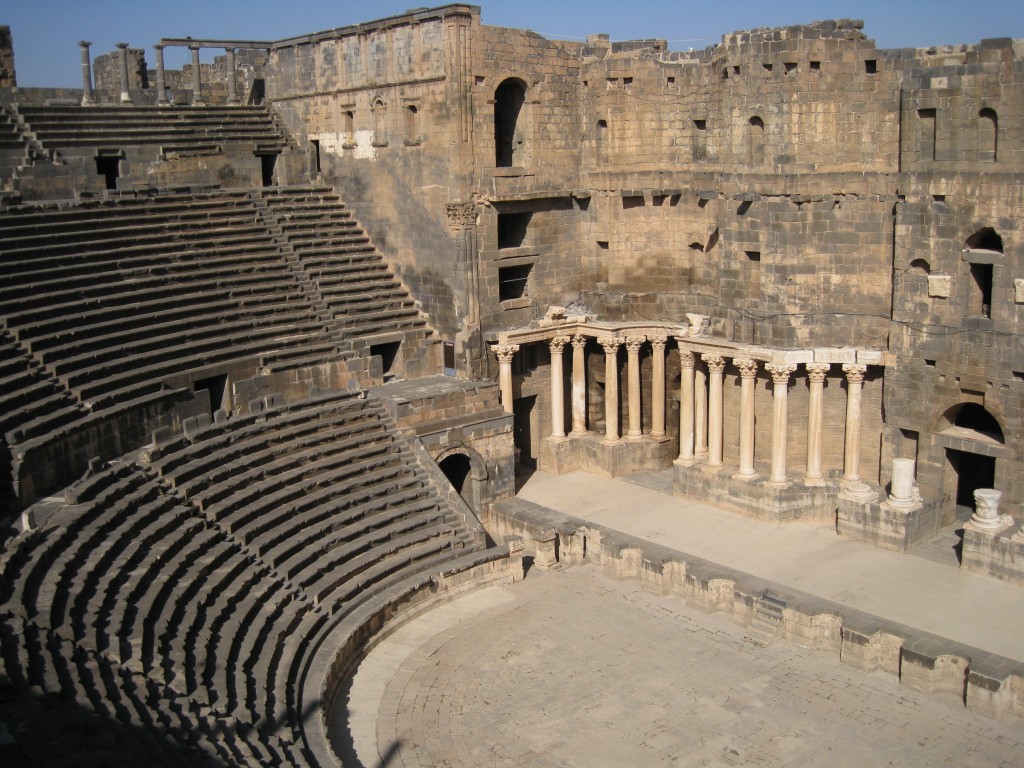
pixel 67 128
pixel 183 597
pixel 337 256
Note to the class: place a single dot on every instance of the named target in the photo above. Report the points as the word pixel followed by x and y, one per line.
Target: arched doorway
pixel 973 441
pixel 467 472
pixel 456 468
pixel 510 130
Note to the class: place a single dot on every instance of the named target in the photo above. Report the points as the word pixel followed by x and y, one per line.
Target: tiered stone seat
pixel 183 598
pixel 70 128
pixel 32 401
pixel 337 256
pixel 14 149
pixel 116 297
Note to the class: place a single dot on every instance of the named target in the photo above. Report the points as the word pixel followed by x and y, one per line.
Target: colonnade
pixel 88 95
pixel 701 414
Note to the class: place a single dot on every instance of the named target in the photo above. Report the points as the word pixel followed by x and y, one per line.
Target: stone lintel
pixel 835 355
pixel 792 356
pixel 870 357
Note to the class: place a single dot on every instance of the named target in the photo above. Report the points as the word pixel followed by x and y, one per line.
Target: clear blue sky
pixel 46 32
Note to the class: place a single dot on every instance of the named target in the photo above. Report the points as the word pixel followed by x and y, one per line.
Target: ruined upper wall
pixel 8 78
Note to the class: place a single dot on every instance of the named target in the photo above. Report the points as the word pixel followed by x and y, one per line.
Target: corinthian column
pixel 611 389
pixel 579 385
pixel 504 353
pixel 658 386
pixel 816 373
pixel 851 458
pixel 748 375
pixel 556 345
pixel 686 362
pixel 780 392
pixel 716 365
pixel 633 344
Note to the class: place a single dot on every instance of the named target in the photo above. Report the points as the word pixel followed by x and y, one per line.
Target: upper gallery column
pixel 232 87
pixel 716 365
pixel 87 96
pixel 504 353
pixel 816 373
pixel 854 385
pixel 556 345
pixel 579 385
pixel 658 386
pixel 611 388
pixel 161 79
pixel 633 344
pixel 686 363
pixel 780 391
pixel 122 55
pixel 700 414
pixel 748 375
pixel 197 86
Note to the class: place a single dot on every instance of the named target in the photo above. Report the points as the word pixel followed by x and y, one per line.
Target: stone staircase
pixel 767 625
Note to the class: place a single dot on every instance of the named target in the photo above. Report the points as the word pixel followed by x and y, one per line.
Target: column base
pixel 611 440
pixel 746 476
pixel 557 438
pixel 778 483
pixel 579 432
pixel 233 102
pixel 639 436
pixel 88 102
pixel 814 480
pixel 685 462
pixel 858 491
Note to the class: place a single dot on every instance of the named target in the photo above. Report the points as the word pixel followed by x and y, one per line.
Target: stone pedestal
pixel 546 545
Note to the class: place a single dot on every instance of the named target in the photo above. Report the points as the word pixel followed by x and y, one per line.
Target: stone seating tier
pixel 195 621
pixel 65 128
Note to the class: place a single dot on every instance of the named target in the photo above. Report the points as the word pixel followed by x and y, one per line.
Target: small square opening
pixel 513 282
pixel 512 229
pixel 870 66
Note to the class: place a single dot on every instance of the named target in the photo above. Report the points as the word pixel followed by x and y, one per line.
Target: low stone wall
pixel 986 683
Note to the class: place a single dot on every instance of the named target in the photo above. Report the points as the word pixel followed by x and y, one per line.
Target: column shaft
pixel 232 86
pixel 579 385
pixel 197 85
pixel 658 387
pixel 748 376
pixel 716 365
pixel 635 416
pixel 851 458
pixel 700 413
pixel 126 97
pixel 87 95
pixel 611 389
pixel 816 373
pixel 686 362
pixel 780 391
pixel 161 79
pixel 556 346
pixel 505 353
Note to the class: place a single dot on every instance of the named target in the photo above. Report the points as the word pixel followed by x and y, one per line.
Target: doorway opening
pixel 109 168
pixel 523 431
pixel 456 468
pixel 267 163
pixel 216 387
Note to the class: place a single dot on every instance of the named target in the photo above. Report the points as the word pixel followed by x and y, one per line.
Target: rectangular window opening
pixel 388 354
pixel 790 66
pixel 513 228
pixel 870 66
pixel 670 80
pixel 513 282
pixel 753 256
pixel 815 66
pixel 448 363
pixel 767 67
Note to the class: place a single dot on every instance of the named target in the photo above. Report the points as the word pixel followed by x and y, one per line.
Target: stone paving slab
pixel 573 668
pixel 965 607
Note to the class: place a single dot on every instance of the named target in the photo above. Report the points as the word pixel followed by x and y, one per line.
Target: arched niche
pixel 511 129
